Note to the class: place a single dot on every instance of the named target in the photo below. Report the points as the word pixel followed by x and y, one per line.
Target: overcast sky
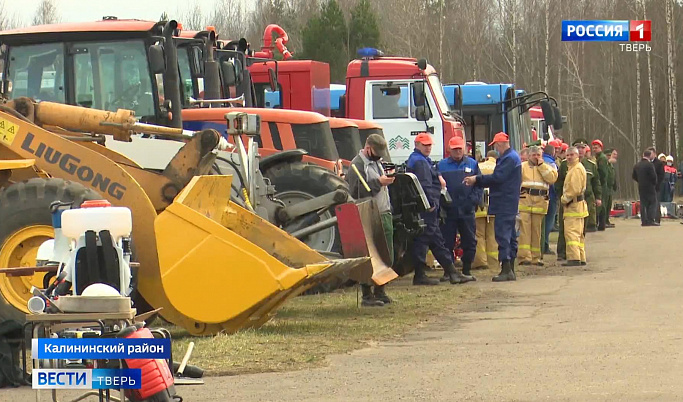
pixel 92 10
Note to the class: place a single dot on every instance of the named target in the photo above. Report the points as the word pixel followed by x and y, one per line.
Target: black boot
pixel 381 295
pixel 572 263
pixel 467 270
pixel 506 273
pixel 421 277
pixel 455 277
pixel 368 298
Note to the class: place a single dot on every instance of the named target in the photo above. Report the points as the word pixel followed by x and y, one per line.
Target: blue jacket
pixel 421 166
pixel 550 160
pixel 504 184
pixel 465 199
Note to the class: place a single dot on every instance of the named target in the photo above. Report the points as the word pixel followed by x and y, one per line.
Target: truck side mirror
pixel 548 113
pixel 229 74
pixel 157 61
pixel 419 93
pixel 557 122
pixel 422 113
pixel 422 64
pixel 272 79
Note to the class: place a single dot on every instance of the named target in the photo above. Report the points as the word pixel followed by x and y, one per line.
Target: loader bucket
pixel 221 264
pixel 365 239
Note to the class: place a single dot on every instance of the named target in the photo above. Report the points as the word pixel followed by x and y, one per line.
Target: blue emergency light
pixel 370 52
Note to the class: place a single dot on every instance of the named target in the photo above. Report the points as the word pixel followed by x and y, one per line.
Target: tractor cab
pixel 109 64
pixel 346 138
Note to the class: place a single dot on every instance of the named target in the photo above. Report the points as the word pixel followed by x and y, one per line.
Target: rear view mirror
pixel 272 79
pixel 458 99
pixel 229 74
pixel 548 113
pixel 197 62
pixel 238 71
pixel 557 122
pixel 419 93
pixel 422 64
pixel 157 61
pixel 422 113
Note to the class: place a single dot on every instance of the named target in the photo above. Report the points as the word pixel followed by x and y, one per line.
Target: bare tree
pixel 46 13
pixel 193 19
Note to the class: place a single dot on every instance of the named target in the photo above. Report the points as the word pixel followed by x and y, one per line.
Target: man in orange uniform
pixel 575 209
pixel 537 177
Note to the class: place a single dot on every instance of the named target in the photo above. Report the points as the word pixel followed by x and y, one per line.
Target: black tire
pixel 28 203
pixel 310 179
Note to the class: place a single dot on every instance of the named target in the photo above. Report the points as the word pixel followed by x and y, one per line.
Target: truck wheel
pixel 25 223
pixel 299 181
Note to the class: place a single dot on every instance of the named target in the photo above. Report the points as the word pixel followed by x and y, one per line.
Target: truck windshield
pixel 439 94
pixel 347 140
pixel 316 138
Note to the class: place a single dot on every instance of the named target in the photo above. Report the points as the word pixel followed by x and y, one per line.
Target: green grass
pixel 309 328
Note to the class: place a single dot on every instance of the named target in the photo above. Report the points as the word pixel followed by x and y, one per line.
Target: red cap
pixel 556 143
pixel 500 137
pixel 456 142
pixel 95 204
pixel 565 146
pixel 424 139
pixel 588 148
pixel 597 142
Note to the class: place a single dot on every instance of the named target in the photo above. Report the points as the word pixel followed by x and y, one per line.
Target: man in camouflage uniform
pixel 610 186
pixel 601 162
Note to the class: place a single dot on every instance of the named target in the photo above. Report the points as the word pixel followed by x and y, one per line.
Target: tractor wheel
pixel 25 223
pixel 299 181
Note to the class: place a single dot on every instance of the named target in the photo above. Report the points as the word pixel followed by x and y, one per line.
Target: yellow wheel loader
pixel 210 264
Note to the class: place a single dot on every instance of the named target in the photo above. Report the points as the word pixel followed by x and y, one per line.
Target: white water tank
pixel 117 220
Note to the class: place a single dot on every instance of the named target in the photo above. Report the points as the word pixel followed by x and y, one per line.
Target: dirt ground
pixel 606 332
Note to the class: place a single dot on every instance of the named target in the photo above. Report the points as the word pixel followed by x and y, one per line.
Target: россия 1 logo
pixel 609 31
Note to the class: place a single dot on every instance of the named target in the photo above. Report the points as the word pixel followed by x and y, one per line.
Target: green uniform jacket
pixel 594 190
pixel 610 182
pixel 603 167
pixel 561 175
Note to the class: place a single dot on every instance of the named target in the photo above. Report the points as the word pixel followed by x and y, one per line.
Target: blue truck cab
pixel 488 109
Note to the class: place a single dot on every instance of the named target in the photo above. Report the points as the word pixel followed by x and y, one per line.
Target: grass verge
pixel 309 328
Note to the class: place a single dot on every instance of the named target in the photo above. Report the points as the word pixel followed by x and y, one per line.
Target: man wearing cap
pixel 460 213
pixel 487 248
pixel 670 177
pixel 504 185
pixel 601 161
pixel 431 239
pixel 372 172
pixel 575 209
pixel 549 157
pixel 562 154
pixel 537 177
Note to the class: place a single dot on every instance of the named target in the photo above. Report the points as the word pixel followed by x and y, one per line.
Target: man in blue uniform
pixel 504 187
pixel 431 239
pixel 460 213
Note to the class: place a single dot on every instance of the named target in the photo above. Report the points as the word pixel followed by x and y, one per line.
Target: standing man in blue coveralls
pixel 504 186
pixel 460 213
pixel 431 239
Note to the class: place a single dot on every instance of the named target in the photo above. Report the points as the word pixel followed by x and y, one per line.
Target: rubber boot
pixel 421 277
pixel 455 277
pixel 572 263
pixel 467 270
pixel 381 295
pixel 506 273
pixel 369 298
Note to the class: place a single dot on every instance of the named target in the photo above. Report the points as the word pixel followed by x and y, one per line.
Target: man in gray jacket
pixel 368 164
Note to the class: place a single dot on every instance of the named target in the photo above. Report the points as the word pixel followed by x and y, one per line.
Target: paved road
pixel 610 332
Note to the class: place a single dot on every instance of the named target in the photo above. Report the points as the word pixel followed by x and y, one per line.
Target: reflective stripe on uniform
pixel 493 254
pixel 575 214
pixel 533 210
pixel 575 243
pixel 524 246
pixel 536 249
pixel 535 184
